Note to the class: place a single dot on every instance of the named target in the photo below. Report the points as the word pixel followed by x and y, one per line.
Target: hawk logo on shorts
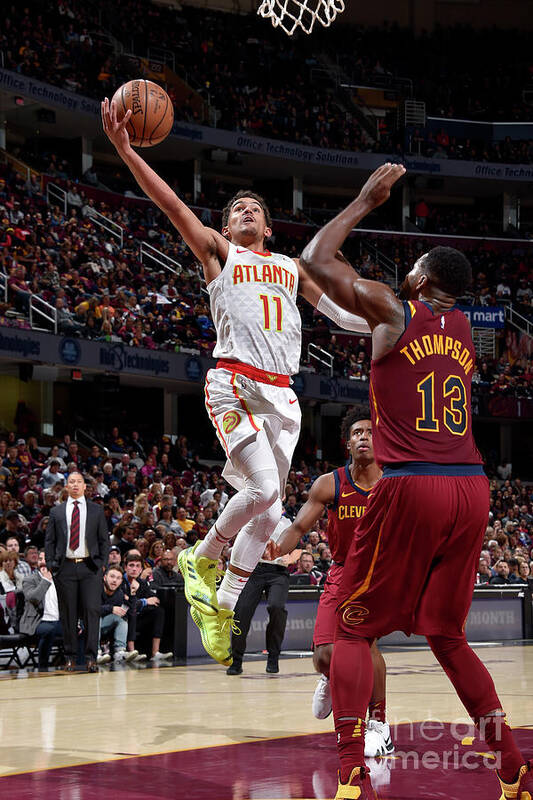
pixel 354 614
pixel 230 420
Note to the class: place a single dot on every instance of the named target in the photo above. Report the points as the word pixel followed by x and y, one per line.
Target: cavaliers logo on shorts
pixel 230 420
pixel 354 614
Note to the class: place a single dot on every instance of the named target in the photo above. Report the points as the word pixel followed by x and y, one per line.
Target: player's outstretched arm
pixel 209 246
pixel 337 279
pixel 322 493
pixel 314 295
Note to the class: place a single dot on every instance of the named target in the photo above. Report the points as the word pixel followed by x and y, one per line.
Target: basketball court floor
pixel 194 732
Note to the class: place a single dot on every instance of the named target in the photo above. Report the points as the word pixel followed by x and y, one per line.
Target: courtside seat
pixel 12 643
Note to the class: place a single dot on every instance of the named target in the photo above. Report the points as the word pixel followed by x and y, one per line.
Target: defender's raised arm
pixel 337 279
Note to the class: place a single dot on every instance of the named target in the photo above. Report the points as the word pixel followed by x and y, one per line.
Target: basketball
pixel 152 115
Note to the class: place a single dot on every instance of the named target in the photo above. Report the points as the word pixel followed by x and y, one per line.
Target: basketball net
pixel 293 14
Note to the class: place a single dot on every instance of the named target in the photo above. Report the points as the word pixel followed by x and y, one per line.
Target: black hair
pixel 449 269
pixel 350 419
pixel 244 193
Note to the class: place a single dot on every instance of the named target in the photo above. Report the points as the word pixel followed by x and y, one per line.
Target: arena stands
pixel 102 291
pixel 163 486
pixel 67 48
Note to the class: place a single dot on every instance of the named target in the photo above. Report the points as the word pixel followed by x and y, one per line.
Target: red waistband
pixel 272 378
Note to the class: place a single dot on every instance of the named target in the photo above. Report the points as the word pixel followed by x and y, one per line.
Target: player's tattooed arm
pixel 322 494
pixel 209 246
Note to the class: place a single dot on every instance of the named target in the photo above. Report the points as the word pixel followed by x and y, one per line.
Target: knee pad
pixel 263 490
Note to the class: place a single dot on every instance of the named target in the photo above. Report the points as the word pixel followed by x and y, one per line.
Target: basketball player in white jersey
pixel 248 396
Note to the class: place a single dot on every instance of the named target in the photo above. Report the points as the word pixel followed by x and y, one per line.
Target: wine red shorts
pixel 412 562
pixel 326 615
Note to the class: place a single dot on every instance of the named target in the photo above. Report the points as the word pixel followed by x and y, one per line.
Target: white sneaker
pixel 162 656
pixel 103 658
pixel 131 655
pixel 378 740
pixel 322 698
pixel 125 655
pixel 139 657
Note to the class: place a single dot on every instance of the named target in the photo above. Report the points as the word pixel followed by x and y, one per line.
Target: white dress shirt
pixel 51 608
pixel 82 550
pixel 208 495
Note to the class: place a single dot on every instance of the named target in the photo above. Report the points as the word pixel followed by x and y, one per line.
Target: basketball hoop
pixel 293 14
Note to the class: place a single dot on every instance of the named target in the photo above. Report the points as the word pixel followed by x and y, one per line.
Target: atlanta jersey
pixel 349 505
pixel 253 304
pixel 420 392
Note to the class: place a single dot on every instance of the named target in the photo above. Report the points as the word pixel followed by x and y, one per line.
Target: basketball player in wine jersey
pixel 345 493
pixel 248 396
pixel 414 555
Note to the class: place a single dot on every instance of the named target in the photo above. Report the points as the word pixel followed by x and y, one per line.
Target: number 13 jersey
pixel 253 305
pixel 420 392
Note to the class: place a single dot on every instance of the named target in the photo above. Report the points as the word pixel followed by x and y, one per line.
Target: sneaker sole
pixel 195 601
pixel 197 619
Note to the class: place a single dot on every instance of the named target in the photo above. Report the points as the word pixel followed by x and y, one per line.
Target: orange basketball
pixel 152 115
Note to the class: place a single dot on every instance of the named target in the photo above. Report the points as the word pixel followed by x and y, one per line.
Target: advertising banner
pixel 491 619
pixel 19 84
pixel 17 344
pixel 485 316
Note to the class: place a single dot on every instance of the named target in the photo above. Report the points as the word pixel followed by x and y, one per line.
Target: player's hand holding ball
pixel 139 114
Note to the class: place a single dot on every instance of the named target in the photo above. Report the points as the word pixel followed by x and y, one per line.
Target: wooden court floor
pixel 194 732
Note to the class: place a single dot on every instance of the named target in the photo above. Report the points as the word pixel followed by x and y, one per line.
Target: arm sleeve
pixel 344 319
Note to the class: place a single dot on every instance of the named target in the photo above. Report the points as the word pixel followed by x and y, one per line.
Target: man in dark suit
pixel 76 548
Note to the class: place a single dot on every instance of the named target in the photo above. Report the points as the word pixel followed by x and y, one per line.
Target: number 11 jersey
pixel 253 304
pixel 420 392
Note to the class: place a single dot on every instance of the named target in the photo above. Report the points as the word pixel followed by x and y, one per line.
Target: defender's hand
pixel 377 189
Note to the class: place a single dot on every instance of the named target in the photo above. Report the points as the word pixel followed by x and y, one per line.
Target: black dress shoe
pixel 272 665
pixel 92 665
pixel 235 669
pixel 70 665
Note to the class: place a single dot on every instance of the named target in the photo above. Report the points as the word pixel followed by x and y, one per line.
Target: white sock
pixel 230 589
pixel 212 546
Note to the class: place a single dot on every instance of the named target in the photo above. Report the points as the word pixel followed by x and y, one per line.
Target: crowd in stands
pixel 104 292
pixel 158 498
pixel 283 92
pixel 506 554
pixel 424 142
pixel 100 291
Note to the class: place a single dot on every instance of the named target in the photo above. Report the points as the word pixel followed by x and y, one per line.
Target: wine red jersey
pixel 420 392
pixel 348 506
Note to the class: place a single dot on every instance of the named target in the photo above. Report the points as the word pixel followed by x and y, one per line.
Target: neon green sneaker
pixel 216 633
pixel 199 575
